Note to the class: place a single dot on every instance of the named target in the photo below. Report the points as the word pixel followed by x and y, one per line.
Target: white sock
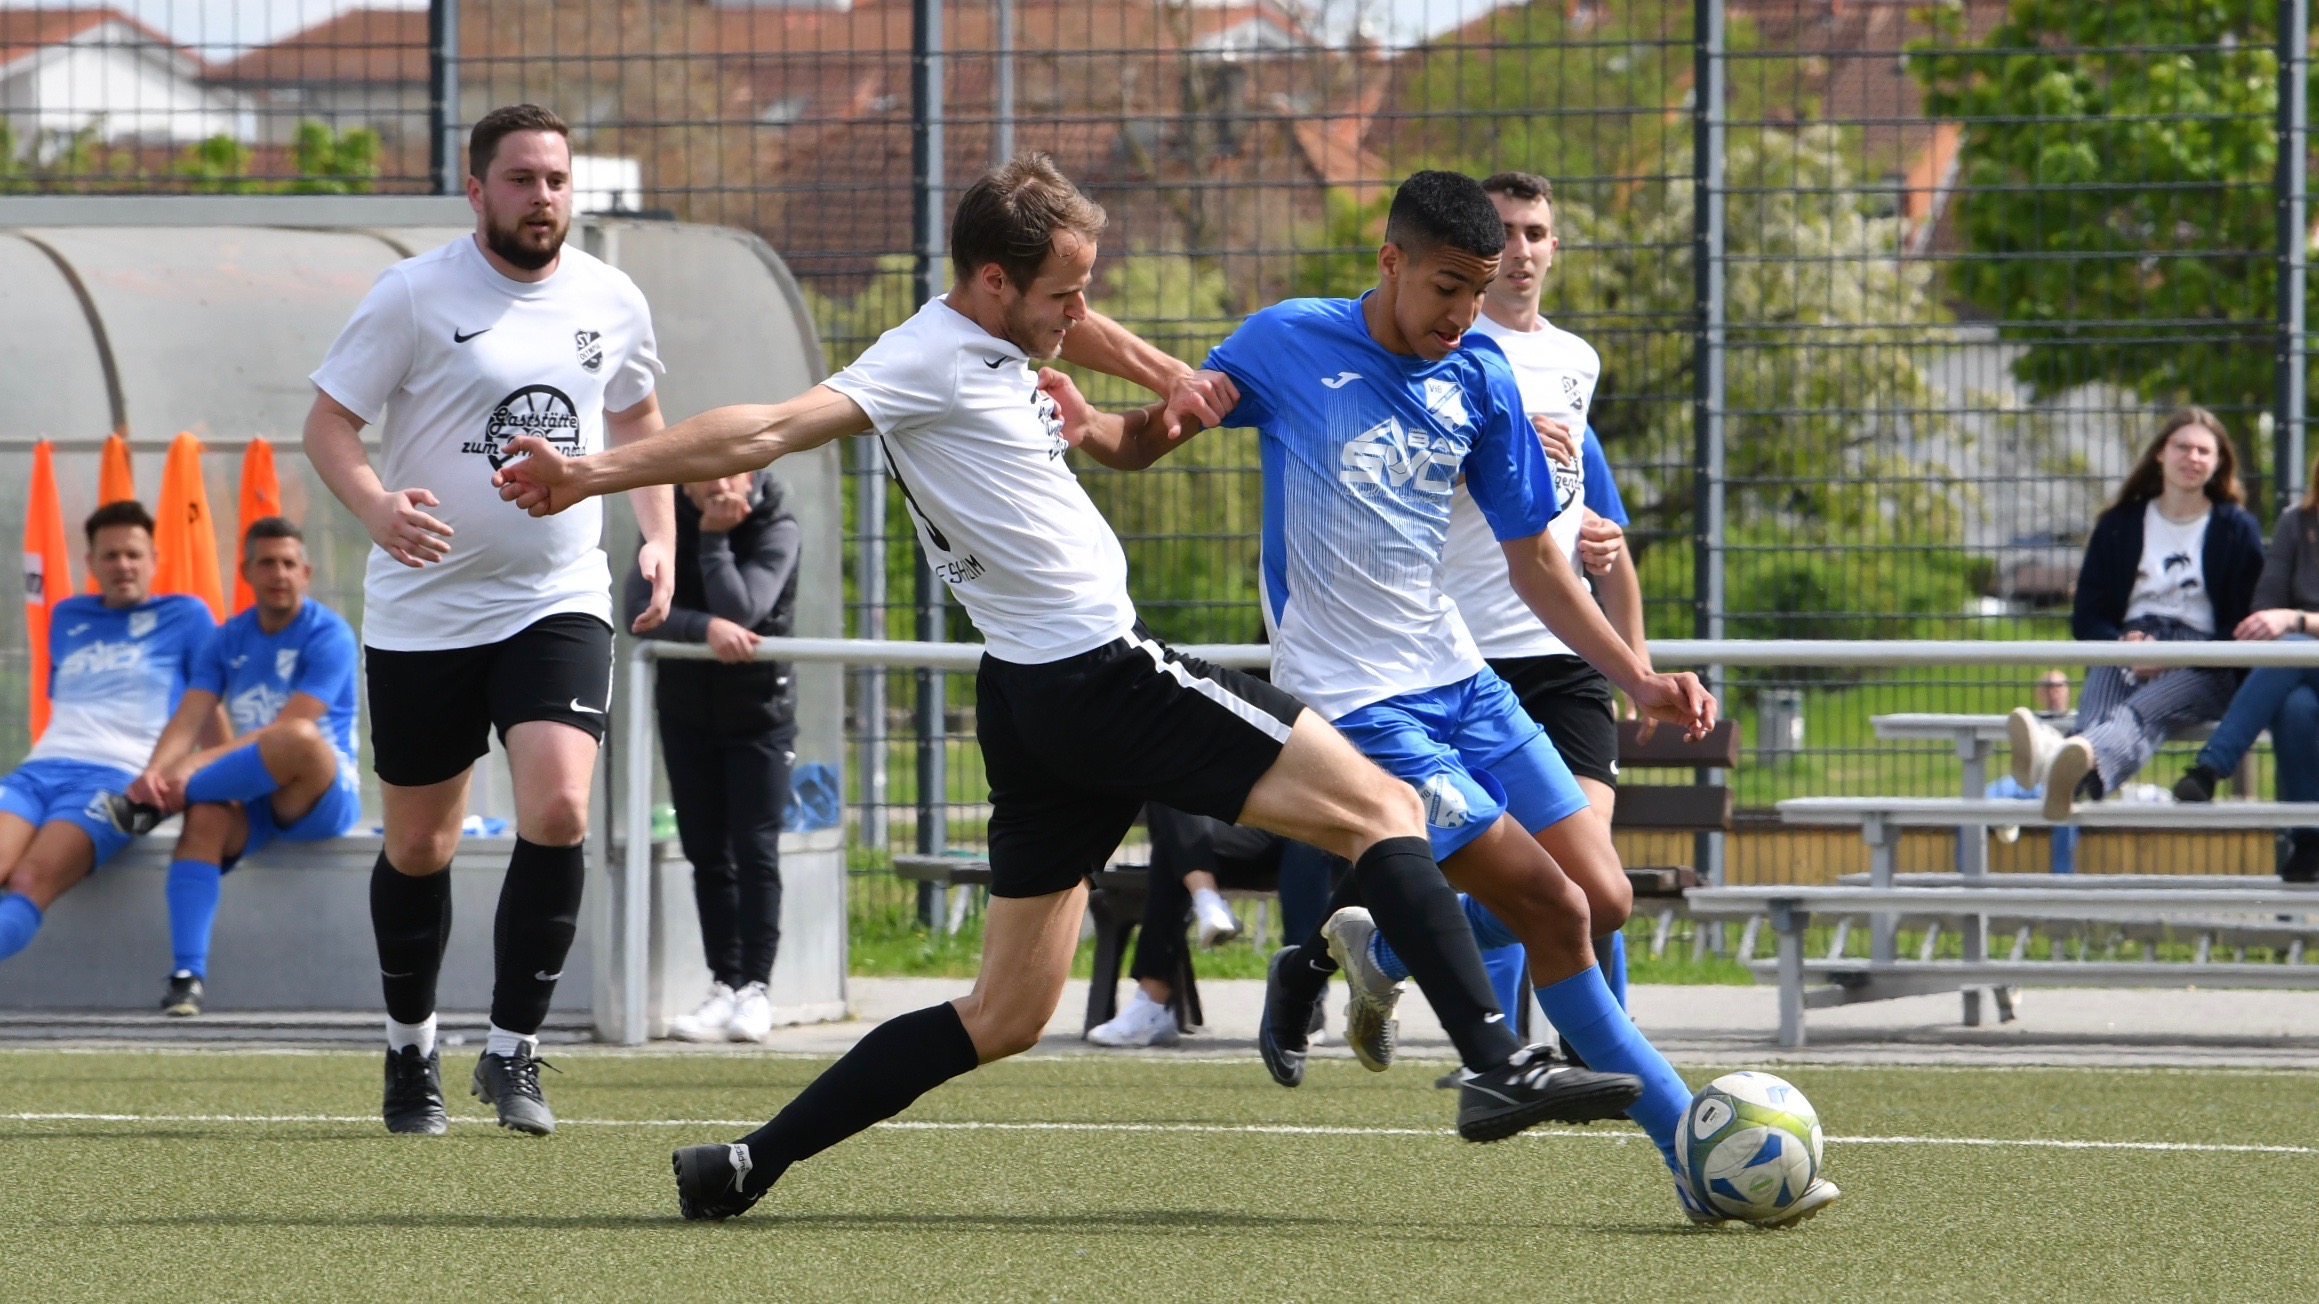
pixel 421 1035
pixel 1208 903
pixel 504 1043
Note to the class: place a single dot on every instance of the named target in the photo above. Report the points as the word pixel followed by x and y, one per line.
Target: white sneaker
pixel 1218 924
pixel 709 1021
pixel 1370 1028
pixel 2071 763
pixel 752 1014
pixel 2034 743
pixel 1145 1022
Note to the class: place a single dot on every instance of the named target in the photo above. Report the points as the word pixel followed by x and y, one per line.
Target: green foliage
pixel 2151 171
pixel 218 165
pixel 333 162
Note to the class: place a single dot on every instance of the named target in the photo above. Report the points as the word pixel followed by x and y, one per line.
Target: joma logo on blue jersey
pixel 1385 455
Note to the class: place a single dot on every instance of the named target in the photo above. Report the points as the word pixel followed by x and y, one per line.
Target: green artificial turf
pixel 168 1205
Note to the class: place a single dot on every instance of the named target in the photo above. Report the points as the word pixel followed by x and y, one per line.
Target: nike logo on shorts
pixel 548 977
pixel 457 338
pixel 586 710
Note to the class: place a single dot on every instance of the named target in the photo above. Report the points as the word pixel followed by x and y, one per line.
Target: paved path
pixel 1694 1025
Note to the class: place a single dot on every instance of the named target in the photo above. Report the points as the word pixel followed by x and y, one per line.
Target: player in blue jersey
pixel 118 662
pixel 284 673
pixel 1370 412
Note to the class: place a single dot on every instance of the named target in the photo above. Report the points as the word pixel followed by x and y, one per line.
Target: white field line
pixel 1205 1129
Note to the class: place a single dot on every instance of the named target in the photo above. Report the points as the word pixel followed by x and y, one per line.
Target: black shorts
pixel 1074 748
pixel 1574 704
pixel 431 713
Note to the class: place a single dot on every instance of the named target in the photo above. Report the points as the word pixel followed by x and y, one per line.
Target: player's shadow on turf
pixel 1131 1221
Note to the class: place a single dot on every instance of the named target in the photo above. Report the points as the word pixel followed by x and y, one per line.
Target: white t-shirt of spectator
pixel 2171 579
pixel 978 451
pixel 459 360
pixel 1556 372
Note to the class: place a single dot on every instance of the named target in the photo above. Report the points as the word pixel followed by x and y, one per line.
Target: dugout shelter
pixel 154 315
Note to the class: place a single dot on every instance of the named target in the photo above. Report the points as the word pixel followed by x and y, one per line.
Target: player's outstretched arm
pixel 1133 440
pixel 655 508
pixel 717 443
pixel 1547 584
pixel 1101 344
pixel 333 440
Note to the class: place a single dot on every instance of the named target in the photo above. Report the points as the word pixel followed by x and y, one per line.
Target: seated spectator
pixel 1191 856
pixel 2284 699
pixel 2173 559
pixel 2051 709
pixel 118 663
pixel 728 732
pixel 284 672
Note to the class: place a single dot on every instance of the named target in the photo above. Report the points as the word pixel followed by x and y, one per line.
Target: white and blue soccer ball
pixel 1750 1144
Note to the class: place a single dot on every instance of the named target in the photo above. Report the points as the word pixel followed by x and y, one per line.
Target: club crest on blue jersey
pixel 141 623
pixel 285 662
pixel 1445 398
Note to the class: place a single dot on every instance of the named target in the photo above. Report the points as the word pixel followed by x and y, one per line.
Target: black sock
pixel 899 1061
pixel 539 911
pixel 411 918
pixel 1418 912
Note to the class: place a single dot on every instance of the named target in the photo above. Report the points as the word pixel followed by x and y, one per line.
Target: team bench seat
pixel 293 933
pixel 1790 908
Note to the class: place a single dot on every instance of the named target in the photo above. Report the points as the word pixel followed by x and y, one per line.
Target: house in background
pixel 365 68
pixel 64 70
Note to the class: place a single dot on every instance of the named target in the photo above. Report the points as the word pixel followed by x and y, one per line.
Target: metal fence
pixel 1888 295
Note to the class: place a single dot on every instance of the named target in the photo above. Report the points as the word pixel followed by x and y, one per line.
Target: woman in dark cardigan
pixel 2174 558
pixel 2284 699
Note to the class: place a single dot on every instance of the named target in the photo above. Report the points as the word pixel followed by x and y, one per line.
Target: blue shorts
pixel 333 816
pixel 74 792
pixel 1472 753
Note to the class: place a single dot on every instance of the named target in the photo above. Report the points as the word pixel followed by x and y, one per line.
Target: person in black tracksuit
pixel 727 734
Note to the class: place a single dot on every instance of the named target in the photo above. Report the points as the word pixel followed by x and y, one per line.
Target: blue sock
pixel 239 775
pixel 1490 934
pixel 192 893
pixel 1583 1011
pixel 1612 956
pixel 19 920
pixel 1381 951
pixel 1509 971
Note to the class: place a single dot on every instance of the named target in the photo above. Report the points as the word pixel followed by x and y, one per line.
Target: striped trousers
pixel 2125 720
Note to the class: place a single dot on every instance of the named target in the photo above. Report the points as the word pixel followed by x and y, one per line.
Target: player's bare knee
pixel 207 826
pixel 999 1030
pixel 422 852
pixel 559 821
pixel 1610 902
pixel 1389 809
pixel 296 744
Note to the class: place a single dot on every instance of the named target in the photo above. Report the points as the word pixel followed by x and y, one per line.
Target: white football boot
pixel 752 1014
pixel 1218 924
pixel 1145 1022
pixel 1370 1028
pixel 709 1021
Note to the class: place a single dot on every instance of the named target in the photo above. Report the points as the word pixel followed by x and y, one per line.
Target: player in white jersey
pixel 1082 714
pixel 1556 372
pixel 475 616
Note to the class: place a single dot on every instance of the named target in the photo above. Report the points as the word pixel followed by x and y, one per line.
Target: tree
pixel 2115 186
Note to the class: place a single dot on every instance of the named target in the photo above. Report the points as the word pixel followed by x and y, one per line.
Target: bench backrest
pixel 1676 808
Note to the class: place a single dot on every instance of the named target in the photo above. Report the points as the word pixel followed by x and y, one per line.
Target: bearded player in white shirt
pixel 1082 715
pixel 476 616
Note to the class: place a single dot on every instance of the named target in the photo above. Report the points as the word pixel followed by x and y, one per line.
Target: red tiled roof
pixel 361 47
pixel 28 31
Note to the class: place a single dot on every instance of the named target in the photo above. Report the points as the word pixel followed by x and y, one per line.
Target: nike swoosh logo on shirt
pixel 587 710
pixel 75 631
pixel 994 363
pixel 457 338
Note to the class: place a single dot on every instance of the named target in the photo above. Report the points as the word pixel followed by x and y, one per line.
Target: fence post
pixel 870 582
pixel 1002 141
pixel 2294 203
pixel 443 96
pixel 1708 397
pixel 926 158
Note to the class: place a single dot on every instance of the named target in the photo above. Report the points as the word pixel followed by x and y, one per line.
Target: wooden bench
pixel 954 876
pixel 1672 808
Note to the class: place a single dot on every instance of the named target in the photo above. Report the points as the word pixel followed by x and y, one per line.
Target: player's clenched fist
pixel 1202 398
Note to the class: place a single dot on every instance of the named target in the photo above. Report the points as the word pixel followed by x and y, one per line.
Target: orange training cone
pixel 261 497
pixel 47 573
pixel 116 480
pixel 185 535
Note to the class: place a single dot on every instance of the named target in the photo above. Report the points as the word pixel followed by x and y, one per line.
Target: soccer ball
pixel 1750 1145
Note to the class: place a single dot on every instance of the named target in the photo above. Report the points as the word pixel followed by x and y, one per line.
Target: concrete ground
pixel 1693 1025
